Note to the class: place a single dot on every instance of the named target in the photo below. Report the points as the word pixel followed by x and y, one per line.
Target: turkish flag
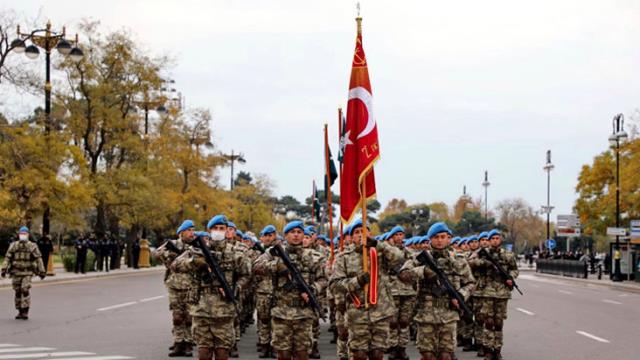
pixel 360 139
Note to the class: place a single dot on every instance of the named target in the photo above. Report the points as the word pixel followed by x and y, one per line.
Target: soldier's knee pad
pixel 489 324
pixel 428 356
pixel 178 318
pixel 360 355
pixel 284 355
pixel 445 356
pixel 204 353
pixel 221 354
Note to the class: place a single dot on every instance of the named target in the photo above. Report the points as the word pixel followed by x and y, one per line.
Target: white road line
pixel 47 355
pixel 565 292
pixel 612 302
pixel 8 345
pixel 24 349
pixel 117 306
pixel 591 336
pixel 151 298
pixel 623 295
pixel 108 357
pixel 525 311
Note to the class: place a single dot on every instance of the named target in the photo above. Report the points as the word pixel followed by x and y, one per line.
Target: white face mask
pixel 217 235
pixel 23 237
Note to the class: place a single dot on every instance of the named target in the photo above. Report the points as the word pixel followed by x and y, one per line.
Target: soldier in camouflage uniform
pixel 264 290
pixel 480 274
pixel 368 325
pixel 213 314
pixel 178 285
pixel 21 262
pixel 292 317
pixel 232 238
pixel 437 313
pixel 404 298
pixel 340 301
pixel 309 242
pixel 495 295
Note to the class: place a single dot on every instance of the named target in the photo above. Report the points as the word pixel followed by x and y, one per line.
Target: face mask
pixel 23 237
pixel 217 235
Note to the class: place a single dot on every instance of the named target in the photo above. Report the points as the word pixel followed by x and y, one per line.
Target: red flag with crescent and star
pixel 360 139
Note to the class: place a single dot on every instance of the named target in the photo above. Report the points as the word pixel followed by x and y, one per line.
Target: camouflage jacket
pixel 23 259
pixel 348 266
pixel 434 304
pixel 493 285
pixel 173 280
pixel 399 288
pixel 207 300
pixel 288 303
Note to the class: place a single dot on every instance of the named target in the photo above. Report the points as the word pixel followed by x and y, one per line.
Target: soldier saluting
pixel 21 262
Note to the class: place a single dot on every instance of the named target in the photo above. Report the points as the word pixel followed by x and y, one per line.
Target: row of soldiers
pixel 377 290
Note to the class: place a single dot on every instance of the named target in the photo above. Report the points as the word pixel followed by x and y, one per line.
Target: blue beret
pixel 455 240
pixel 292 225
pixel 24 229
pixel 472 238
pixel 325 239
pixel 231 225
pixel 396 229
pixel 217 220
pixel 336 240
pixel 239 233
pixel 310 229
pixel 269 229
pixel 483 235
pixel 437 228
pixel 186 225
pixel 463 241
pixel 425 238
pixel 356 224
pixel 306 232
pixel 493 232
pixel 202 234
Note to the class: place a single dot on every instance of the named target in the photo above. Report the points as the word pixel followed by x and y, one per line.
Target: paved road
pixel 126 317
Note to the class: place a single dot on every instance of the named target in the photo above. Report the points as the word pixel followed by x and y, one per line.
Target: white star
pixel 346 140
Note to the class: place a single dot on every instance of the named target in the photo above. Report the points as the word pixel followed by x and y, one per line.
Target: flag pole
pixel 365 254
pixel 327 180
pixel 341 240
pixel 313 201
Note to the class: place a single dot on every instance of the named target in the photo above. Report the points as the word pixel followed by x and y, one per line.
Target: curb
pixel 611 285
pixel 88 276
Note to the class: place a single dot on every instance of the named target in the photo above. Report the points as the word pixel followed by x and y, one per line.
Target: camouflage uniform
pixel 213 315
pixel 466 326
pixel 368 327
pixel 320 257
pixel 264 293
pixel 404 298
pixel 339 299
pixel 492 304
pixel 178 285
pixel 435 318
pixel 240 249
pixel 292 318
pixel 21 262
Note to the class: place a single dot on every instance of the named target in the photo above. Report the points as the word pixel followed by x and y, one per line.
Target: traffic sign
pixel 568 225
pixel 635 229
pixel 550 244
pixel 614 231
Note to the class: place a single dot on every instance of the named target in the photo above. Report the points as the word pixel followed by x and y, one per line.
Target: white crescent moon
pixel 365 96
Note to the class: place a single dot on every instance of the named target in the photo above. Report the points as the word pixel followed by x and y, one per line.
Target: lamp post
pixel 417 214
pixel 547 209
pixel 486 184
pixel 618 135
pixel 233 158
pixel 48 40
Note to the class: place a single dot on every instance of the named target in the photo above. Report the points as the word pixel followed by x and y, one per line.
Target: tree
pixel 523 227
pixel 243 178
pixel 473 222
pixel 439 211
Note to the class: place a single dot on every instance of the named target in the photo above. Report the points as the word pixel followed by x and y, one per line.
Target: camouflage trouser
pixel 263 307
pixel 478 325
pixel 493 312
pixel 179 305
pixel 341 345
pixel 399 328
pixel 465 327
pixel 291 335
pixel 368 336
pixel 436 338
pixel 315 328
pixel 213 332
pixel 21 286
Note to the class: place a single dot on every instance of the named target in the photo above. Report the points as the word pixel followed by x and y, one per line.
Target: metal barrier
pixel 571 268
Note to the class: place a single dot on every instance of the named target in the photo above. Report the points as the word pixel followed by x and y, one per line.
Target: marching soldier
pixel 368 324
pixel 21 262
pixel 292 317
pixel 309 242
pixel 465 326
pixel 496 293
pixel 437 313
pixel 340 301
pixel 178 285
pixel 264 293
pixel 213 312
pixel 240 248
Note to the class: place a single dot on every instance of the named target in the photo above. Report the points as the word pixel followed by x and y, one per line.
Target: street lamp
pixel 48 40
pixel 486 184
pixel 618 135
pixel 233 158
pixel 417 214
pixel 547 209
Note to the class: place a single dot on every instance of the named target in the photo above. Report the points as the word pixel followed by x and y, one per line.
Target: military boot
pixel 234 351
pixel 401 354
pixel 315 353
pixel 488 354
pixel 188 349
pixel 467 345
pixel 481 350
pixel 19 316
pixel 25 313
pixel 497 354
pixel 179 349
pixel 264 352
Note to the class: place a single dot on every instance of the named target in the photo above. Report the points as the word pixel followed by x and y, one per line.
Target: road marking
pixel 8 345
pixel 47 355
pixel 151 298
pixel 612 302
pixel 623 295
pixel 114 357
pixel 117 306
pixel 565 292
pixel 525 311
pixel 591 336
pixel 25 349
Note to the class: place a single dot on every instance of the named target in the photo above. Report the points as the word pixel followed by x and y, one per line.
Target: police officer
pixel 81 254
pixel 21 262
pixel 437 313
pixel 178 286
pixel 368 325
pixel 292 317
pixel 264 290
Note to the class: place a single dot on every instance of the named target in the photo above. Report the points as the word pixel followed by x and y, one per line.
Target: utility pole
pixel 232 158
pixel 486 184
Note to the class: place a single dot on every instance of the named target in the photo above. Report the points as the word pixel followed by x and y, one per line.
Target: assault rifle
pixel 425 258
pixel 501 271
pixel 172 247
pixel 297 279
pixel 258 246
pixel 216 271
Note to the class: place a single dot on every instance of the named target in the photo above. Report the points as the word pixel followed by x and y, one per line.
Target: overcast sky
pixel 459 87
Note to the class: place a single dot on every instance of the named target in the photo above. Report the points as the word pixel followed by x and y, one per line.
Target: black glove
pixel 363 279
pixel 371 242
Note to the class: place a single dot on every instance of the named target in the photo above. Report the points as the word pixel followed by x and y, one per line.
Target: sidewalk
pixel 632 286
pixel 62 275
